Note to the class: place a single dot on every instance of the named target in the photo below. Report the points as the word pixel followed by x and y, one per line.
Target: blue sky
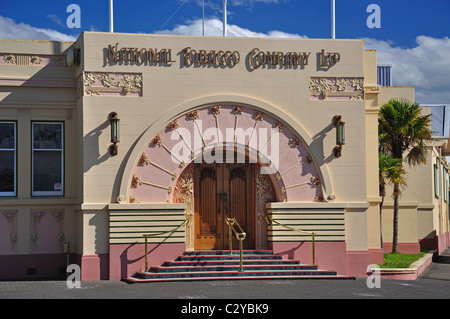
pixel 410 29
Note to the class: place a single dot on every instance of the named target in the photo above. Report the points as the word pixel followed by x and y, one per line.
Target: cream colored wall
pixel 166 87
pixel 372 91
pixel 39 93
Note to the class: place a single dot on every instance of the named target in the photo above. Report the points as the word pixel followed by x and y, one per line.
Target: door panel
pixel 238 183
pixel 207 219
pixel 223 191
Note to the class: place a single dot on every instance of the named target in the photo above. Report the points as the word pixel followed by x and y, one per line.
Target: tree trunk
pixel 395 221
pixel 381 226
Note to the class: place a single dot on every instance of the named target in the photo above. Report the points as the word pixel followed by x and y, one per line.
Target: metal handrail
pixel 270 220
pixel 158 234
pixel 239 235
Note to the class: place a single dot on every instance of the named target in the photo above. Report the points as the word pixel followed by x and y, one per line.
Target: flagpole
pixel 203 17
pixel 224 18
pixel 111 16
pixel 333 14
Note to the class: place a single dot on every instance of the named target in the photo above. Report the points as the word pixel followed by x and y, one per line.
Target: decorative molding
pixel 35 60
pixel 39 60
pixel 36 218
pixel 184 193
pixel 11 218
pixel 58 215
pixel 112 84
pixel 265 193
pixel 313 182
pixel 10 58
pixel 160 151
pixel 337 88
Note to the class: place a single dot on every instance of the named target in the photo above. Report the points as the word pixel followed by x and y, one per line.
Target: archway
pixel 163 169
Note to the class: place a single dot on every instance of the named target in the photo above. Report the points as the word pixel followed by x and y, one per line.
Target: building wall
pixel 36 84
pixel 148 97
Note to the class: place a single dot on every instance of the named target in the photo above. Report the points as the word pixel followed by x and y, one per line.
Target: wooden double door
pixel 223 191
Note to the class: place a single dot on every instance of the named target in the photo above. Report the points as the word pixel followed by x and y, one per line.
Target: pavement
pixel 434 283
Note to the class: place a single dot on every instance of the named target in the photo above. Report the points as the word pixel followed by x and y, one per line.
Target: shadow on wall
pixel 92 139
pixel 429 242
pixel 100 221
pixel 317 145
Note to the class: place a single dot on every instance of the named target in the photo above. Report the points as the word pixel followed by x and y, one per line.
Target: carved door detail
pixel 223 191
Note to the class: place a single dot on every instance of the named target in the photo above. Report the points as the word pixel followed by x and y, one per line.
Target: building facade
pixel 120 135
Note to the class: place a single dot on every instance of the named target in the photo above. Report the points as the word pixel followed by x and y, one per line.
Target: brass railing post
pixel 230 235
pixel 313 248
pixel 240 236
pixel 146 253
pixel 241 255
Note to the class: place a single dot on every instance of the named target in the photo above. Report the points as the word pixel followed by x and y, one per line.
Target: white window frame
pixel 436 179
pixel 13 193
pixel 445 182
pixel 33 150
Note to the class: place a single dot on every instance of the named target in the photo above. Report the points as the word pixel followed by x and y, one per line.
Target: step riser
pixel 237 274
pixel 133 280
pixel 227 252
pixel 223 263
pixel 231 268
pixel 234 257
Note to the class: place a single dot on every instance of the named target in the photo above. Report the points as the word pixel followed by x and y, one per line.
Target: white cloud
pixel 9 29
pixel 214 27
pixel 425 66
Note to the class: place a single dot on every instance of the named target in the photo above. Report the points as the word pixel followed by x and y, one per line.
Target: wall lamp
pixel 115 137
pixel 340 135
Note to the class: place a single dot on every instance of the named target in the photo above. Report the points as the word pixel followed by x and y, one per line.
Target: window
pixel 47 159
pixel 445 182
pixel 7 159
pixel 436 179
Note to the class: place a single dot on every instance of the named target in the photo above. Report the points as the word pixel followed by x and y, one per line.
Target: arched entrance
pixel 161 173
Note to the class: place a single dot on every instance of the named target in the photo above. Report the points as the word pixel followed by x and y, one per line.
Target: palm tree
pixel 402 128
pixel 390 172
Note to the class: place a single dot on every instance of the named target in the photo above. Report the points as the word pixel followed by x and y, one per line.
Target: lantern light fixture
pixel 115 136
pixel 340 134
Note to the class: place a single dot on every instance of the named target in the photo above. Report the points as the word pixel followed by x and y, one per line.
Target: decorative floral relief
pixel 11 217
pixel 265 193
pixel 124 84
pixel 279 126
pixel 34 59
pixel 136 181
pixel 294 142
pixel 350 89
pixel 184 192
pixel 133 200
pixel 173 126
pixel 215 110
pixel 144 160
pixel 157 140
pixel 10 58
pixel 193 115
pixel 258 116
pixel 237 110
